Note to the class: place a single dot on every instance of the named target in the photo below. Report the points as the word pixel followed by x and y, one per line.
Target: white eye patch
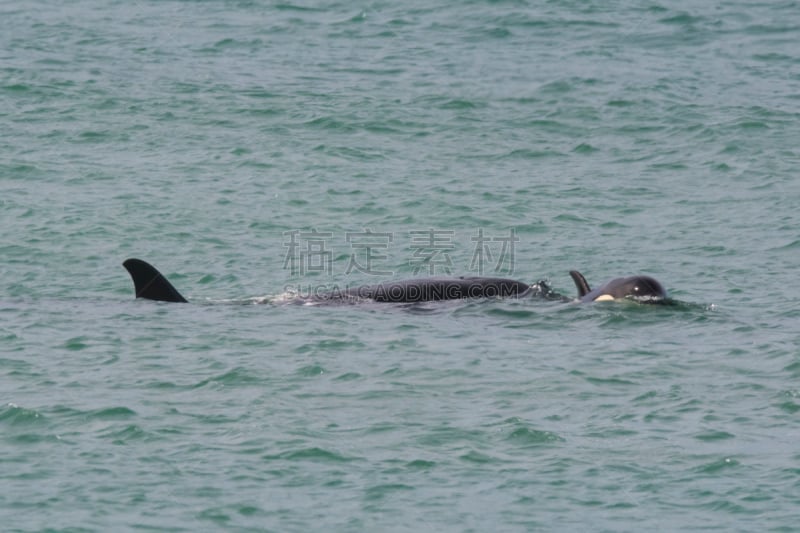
pixel 604 298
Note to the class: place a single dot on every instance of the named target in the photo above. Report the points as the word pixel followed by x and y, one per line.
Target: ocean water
pixel 255 150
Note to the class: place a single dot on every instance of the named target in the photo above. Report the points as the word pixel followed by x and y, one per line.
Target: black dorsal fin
pixel 580 283
pixel 150 283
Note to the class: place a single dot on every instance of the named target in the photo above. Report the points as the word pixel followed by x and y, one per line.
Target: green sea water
pixel 254 150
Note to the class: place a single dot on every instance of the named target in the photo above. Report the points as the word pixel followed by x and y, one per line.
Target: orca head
pixel 642 289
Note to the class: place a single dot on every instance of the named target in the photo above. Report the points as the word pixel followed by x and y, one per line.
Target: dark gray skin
pixel 643 289
pixel 150 284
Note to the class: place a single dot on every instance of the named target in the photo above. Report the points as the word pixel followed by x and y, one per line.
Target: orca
pixel 642 289
pixel 150 284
